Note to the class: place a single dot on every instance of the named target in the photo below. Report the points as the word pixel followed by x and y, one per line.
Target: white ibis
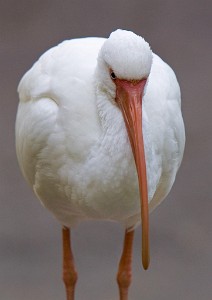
pixel 98 127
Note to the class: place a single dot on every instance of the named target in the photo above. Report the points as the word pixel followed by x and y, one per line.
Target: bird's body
pixel 72 142
pixel 73 147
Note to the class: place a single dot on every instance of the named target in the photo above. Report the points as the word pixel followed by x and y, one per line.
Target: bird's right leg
pixel 124 275
pixel 69 271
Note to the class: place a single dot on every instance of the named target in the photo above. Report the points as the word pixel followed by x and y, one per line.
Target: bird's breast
pixel 102 186
pixel 109 185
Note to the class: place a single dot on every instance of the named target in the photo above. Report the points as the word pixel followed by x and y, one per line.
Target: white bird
pixel 98 121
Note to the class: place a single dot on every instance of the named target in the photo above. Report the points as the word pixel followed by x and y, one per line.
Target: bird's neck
pixel 115 142
pixel 113 131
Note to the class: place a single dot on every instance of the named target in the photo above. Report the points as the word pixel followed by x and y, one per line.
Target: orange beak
pixel 129 98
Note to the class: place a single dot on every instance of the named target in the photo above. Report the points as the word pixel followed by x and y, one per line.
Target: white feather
pixel 71 140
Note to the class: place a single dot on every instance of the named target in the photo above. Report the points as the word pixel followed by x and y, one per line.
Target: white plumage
pixel 72 143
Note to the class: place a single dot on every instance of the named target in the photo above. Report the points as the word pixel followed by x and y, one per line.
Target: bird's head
pixel 125 61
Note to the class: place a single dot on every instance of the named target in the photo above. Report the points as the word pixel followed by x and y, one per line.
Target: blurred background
pixel 181 243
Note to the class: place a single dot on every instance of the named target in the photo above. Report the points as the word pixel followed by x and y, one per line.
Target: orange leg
pixel 124 275
pixel 69 272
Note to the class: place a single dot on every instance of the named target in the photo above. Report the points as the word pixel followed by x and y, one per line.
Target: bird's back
pixel 53 71
pixel 59 85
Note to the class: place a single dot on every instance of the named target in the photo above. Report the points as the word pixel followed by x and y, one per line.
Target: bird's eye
pixel 113 75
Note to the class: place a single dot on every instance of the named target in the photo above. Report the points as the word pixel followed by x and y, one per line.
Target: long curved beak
pixel 129 98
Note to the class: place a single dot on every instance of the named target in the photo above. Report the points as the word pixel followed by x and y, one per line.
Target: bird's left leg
pixel 124 275
pixel 69 271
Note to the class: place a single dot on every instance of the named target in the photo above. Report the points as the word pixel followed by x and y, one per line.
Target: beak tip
pixel 145 265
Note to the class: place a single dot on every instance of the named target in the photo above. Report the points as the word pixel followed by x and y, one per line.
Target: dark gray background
pixel 181 245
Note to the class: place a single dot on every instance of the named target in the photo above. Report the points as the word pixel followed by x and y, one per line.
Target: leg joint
pixel 70 277
pixel 124 278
